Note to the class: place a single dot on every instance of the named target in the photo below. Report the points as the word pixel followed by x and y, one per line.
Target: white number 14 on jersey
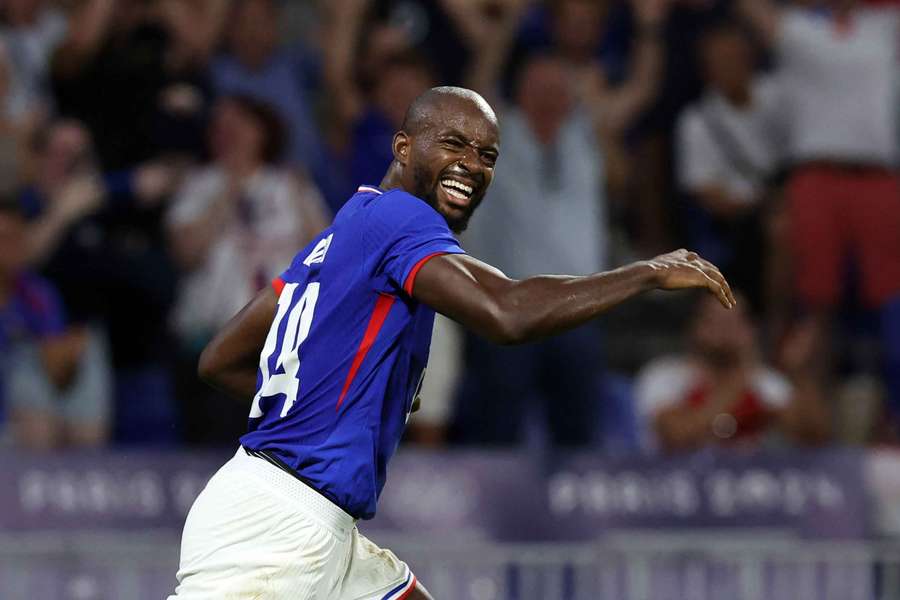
pixel 299 321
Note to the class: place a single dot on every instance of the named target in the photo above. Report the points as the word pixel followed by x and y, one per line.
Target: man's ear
pixel 401 146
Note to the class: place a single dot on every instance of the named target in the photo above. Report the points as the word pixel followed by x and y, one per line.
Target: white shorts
pixel 258 532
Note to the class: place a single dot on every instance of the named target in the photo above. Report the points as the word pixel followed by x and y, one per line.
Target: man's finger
pixel 716 274
pixel 716 288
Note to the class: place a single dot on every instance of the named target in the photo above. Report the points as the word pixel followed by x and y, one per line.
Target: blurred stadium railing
pixel 497 526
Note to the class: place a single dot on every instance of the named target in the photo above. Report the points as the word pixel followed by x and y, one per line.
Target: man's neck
pixel 392 179
pixel 241 167
pixel 738 97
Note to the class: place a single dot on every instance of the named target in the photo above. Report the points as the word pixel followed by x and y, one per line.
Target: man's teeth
pixel 457 189
pixel 456 193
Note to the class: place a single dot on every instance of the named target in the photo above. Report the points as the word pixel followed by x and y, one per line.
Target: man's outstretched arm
pixel 509 311
pixel 230 361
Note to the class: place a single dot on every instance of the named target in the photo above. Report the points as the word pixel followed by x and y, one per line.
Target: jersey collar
pixel 369 189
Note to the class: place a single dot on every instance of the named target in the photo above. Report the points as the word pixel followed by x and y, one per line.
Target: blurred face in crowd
pixel 253 35
pixel 21 12
pixel 129 14
pixel 451 156
pixel 577 26
pixel 5 76
pixel 66 151
pixel 544 95
pixel 382 41
pixel 728 61
pixel 833 4
pixel 722 338
pixel 12 244
pixel 236 136
pixel 400 83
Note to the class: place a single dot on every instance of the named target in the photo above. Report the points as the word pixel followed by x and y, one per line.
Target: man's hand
pixel 683 269
pixel 79 197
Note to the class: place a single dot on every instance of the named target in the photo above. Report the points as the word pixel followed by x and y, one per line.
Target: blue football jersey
pixel 347 349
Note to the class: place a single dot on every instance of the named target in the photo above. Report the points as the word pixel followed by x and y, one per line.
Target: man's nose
pixel 468 160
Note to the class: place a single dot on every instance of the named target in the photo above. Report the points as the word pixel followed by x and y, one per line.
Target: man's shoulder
pixel 397 206
pixel 378 217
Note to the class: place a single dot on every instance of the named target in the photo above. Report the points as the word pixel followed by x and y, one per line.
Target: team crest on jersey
pixel 318 253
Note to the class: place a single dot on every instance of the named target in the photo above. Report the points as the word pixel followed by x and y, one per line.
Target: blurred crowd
pixel 162 160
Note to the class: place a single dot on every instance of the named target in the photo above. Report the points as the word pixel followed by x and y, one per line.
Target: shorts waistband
pixel 304 498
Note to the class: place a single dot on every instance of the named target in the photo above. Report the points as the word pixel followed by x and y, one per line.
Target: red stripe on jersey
pixel 379 314
pixel 278 285
pixel 411 278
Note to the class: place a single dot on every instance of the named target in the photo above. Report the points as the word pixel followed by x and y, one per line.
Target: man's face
pixel 67 152
pixel 451 161
pixel 253 32
pixel 722 338
pixel 544 95
pixel 577 26
pixel 728 60
pixel 234 132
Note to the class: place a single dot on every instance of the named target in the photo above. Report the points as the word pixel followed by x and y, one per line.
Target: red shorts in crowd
pixel 838 214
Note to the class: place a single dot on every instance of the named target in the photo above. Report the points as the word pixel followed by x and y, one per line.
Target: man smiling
pixel 279 519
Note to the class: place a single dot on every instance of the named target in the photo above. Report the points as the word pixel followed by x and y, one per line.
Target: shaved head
pixel 435 103
pixel 445 152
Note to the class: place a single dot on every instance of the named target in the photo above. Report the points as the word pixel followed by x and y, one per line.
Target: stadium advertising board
pixel 470 495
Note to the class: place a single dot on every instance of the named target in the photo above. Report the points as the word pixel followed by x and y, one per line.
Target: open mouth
pixel 457 190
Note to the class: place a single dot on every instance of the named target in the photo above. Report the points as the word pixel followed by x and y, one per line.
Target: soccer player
pixel 333 354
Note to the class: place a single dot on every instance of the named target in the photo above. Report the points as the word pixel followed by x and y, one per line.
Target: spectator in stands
pixel 54 386
pixel 720 390
pixel 591 39
pixel 838 62
pixel 235 224
pixel 549 185
pixel 545 213
pixel 10 125
pixel 728 149
pixel 256 65
pixel 615 53
pixel 30 30
pixel 149 60
pixel 94 235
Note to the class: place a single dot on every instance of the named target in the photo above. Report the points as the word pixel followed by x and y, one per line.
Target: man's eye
pixel 489 159
pixel 453 143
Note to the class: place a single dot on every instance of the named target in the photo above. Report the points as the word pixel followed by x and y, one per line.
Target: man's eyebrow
pixel 463 138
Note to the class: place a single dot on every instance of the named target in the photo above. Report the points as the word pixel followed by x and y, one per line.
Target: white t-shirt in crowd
pixel 670 380
pixel 545 212
pixel 249 252
pixel 29 50
pixel 840 85
pixel 735 148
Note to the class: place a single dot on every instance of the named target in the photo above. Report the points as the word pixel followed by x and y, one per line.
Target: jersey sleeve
pixel 407 232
